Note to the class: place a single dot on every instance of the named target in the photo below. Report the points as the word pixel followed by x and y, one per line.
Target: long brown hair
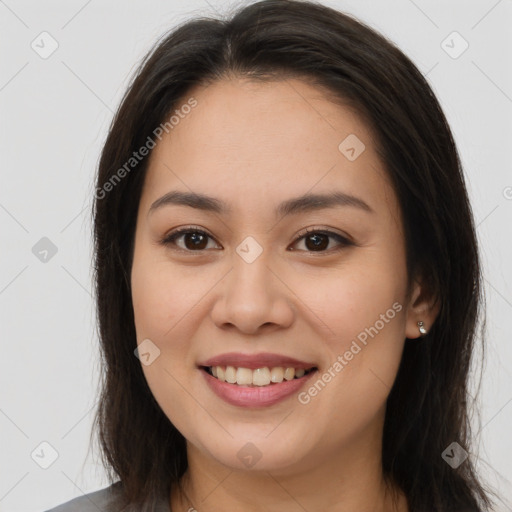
pixel 428 406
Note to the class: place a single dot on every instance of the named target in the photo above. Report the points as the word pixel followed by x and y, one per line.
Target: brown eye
pixel 318 241
pixel 195 241
pixel 192 239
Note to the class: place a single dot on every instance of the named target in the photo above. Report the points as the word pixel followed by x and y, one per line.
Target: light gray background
pixel 54 117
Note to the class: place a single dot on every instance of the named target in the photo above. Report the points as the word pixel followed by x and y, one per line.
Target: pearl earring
pixel 422 329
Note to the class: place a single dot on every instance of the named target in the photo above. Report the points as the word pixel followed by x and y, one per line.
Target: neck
pixel 349 480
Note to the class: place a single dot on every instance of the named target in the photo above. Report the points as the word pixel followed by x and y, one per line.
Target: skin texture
pixel 253 145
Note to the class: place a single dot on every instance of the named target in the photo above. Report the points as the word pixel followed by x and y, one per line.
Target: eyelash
pixel 170 239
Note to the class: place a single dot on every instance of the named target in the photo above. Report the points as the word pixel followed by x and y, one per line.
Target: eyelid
pixel 324 231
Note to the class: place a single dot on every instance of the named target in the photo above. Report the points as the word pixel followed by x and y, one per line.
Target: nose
pixel 253 298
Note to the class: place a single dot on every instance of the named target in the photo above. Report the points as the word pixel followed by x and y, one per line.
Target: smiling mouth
pixel 259 377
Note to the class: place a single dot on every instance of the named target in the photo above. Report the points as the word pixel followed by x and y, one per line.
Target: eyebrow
pixel 301 204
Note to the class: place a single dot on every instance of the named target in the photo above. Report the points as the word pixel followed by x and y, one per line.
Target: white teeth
pixel 259 377
pixel 277 374
pixel 230 374
pixel 244 376
pixel 289 373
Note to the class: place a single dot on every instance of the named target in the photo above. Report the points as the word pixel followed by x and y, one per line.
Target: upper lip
pixel 253 361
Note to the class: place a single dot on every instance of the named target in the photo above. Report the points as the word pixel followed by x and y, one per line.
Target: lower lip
pixel 255 396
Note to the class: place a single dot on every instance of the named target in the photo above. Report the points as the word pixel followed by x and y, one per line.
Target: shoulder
pixel 97 501
pixel 104 500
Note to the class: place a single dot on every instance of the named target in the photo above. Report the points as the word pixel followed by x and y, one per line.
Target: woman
pixel 287 276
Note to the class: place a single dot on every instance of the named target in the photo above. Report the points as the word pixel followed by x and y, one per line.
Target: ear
pixel 422 306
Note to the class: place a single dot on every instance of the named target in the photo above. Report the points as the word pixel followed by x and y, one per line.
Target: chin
pixel 262 452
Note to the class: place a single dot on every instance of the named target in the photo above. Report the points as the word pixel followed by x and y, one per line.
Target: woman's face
pixel 249 287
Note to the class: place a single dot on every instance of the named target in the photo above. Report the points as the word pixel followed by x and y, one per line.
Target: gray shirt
pixel 103 500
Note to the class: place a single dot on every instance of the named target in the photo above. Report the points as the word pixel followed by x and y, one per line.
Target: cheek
pixel 162 298
pixel 165 305
pixel 157 301
pixel 351 299
pixel 163 294
pixel 362 311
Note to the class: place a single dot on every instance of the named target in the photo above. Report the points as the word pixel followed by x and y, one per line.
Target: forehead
pixel 267 139
pixel 264 117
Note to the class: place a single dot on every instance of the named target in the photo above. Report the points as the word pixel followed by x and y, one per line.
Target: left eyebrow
pixel 293 206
